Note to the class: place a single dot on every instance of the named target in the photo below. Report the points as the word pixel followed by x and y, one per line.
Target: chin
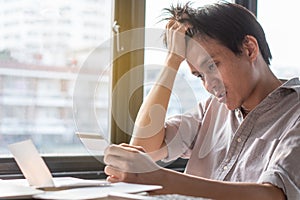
pixel 230 106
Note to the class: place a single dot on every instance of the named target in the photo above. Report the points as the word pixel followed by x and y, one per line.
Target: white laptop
pixel 38 174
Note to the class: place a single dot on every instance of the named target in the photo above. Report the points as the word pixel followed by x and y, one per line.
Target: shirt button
pixel 225 167
pixel 239 140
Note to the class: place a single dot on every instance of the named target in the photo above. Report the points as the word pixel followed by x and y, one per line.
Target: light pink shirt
pixel 263 147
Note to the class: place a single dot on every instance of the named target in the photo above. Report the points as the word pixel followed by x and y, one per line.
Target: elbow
pixel 275 193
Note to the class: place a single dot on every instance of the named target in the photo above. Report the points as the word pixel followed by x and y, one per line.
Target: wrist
pixel 152 177
pixel 173 61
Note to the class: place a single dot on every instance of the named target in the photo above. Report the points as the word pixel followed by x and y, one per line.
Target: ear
pixel 250 47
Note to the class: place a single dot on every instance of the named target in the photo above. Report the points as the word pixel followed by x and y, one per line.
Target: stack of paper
pixel 38 176
pixel 12 191
pixel 116 189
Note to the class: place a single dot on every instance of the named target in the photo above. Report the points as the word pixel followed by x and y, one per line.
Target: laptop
pixel 38 174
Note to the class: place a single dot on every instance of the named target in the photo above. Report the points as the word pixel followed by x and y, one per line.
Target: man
pixel 243 142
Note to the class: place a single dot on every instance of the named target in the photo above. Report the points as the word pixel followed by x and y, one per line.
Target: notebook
pixel 38 174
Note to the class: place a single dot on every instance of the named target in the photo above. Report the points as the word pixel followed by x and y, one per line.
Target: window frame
pixel 129 14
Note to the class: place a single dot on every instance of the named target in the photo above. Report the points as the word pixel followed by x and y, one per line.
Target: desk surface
pixel 16 189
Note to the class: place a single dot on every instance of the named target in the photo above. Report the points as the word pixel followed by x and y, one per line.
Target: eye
pixel 212 66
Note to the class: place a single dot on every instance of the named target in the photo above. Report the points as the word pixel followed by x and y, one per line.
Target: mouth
pixel 221 97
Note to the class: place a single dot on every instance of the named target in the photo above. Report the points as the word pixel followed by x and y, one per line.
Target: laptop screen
pixel 31 164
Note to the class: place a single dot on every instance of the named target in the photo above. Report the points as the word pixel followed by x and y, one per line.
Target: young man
pixel 243 142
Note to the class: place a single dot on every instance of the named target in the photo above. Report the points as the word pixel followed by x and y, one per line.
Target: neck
pixel 244 111
pixel 267 83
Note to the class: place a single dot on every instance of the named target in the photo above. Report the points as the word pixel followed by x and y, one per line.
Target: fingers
pixel 128 159
pixel 113 175
pixel 121 157
pixel 113 179
pixel 113 160
pixel 139 148
pixel 173 24
pixel 175 39
pixel 177 26
pixel 120 150
pixel 170 24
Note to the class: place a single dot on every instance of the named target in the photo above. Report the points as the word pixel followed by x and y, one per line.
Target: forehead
pixel 201 49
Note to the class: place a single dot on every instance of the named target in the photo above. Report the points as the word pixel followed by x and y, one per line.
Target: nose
pixel 211 84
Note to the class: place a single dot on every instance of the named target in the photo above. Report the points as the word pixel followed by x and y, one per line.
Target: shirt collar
pixel 293 84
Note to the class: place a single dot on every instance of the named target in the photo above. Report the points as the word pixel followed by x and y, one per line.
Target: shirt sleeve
pixel 283 170
pixel 181 132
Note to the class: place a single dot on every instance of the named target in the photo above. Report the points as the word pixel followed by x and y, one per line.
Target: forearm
pixel 149 126
pixel 174 182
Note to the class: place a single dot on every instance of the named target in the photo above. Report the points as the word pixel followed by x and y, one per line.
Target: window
pixel 43 45
pixel 57 73
pixel 279 19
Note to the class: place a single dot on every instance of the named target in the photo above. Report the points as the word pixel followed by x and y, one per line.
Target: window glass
pixel 188 90
pixel 43 47
pixel 279 20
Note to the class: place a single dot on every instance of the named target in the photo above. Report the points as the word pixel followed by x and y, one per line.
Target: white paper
pixel 97 192
pixel 9 191
pixel 76 182
pixel 95 143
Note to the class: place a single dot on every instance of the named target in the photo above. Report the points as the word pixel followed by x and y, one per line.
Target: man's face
pixel 229 77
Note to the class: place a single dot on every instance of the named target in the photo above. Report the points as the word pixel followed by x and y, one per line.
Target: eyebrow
pixel 207 58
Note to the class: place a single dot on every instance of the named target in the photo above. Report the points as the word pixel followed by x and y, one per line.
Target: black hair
pixel 225 22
